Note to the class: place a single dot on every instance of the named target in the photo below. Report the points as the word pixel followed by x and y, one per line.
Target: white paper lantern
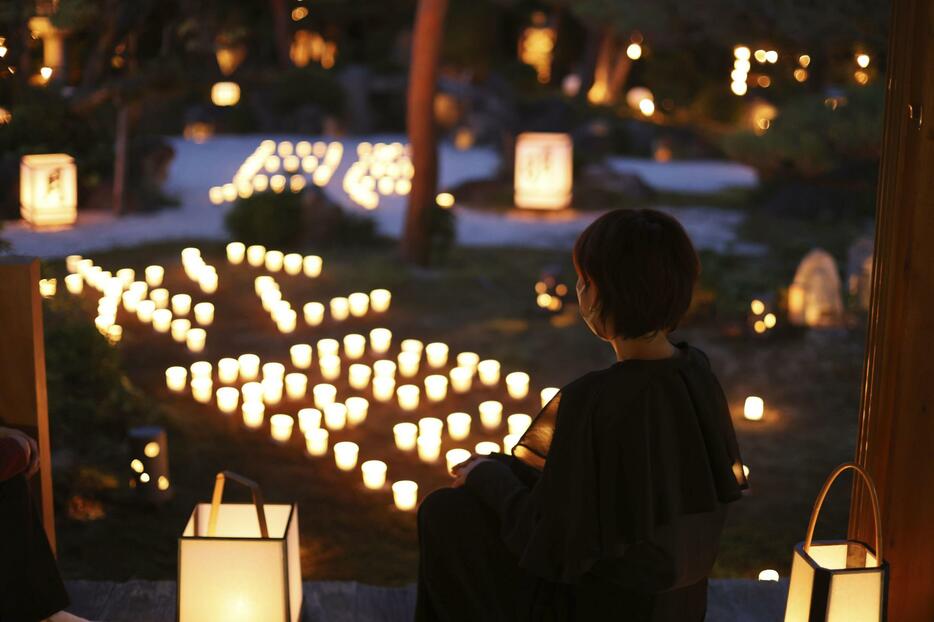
pixel 48 190
pixel 543 170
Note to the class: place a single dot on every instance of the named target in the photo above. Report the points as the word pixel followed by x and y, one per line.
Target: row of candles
pixel 380 169
pixel 257 256
pixel 320 160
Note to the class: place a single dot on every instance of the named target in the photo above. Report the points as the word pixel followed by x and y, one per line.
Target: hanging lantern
pixel 48 191
pixel 229 57
pixel 544 170
pixel 225 94
pixel 240 561
pixel 841 580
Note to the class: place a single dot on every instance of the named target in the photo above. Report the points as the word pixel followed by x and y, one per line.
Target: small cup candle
pixel 273 260
pixel 379 300
pixel 488 371
pixel 292 264
pixel 162 320
pixel 145 310
pixel 357 408
pixel 253 413
pixel 195 339
pixel 330 367
pixel 517 384
pixel 236 252
pixel 179 329
pixel 461 379
pixel 408 364
pixel 324 394
pixel 340 308
pixel 181 304
pixel 358 304
pixel 485 448
pixel 228 370
pixel 345 455
pixel 314 313
pixel 453 457
pixel 380 340
pixel 436 354
pixel 309 419
pixel 412 345
pixel 430 427
pixel 176 378
pixel 458 426
pixel 286 321
pixel 491 414
pixel 407 396
pixel 753 408
pixel 374 474
pixel 256 255
pixel 154 275
pixel 547 394
pixel 71 263
pixel 207 281
pixel 262 283
pixel 126 276
pixel 130 300
pixel 280 427
pixel 74 283
pixel 311 266
pixel 273 370
pixel 249 366
pixel 204 313
pixel 252 392
pixel 405 495
pixel 335 416
pixel 202 389
pixel 228 399
pixel 518 423
pixel 358 376
pixel 429 448
pixel 384 368
pixel 384 387
pixel 316 442
pixel 272 390
pixel 405 435
pixel 509 442
pixel 354 346
pixel 201 369
pixel 296 384
pixel 300 354
pixel 436 387
pixel 328 347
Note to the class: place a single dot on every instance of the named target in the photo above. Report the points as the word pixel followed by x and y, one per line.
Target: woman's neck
pixel 645 348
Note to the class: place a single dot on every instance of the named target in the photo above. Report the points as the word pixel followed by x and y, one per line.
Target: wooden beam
pixel 896 426
pixel 23 401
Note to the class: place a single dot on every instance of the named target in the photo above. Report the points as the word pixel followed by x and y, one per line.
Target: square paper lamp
pixel 48 192
pixel 544 170
pixel 239 562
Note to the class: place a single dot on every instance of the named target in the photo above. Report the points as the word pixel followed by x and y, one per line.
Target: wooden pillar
pixel 23 402
pixel 896 426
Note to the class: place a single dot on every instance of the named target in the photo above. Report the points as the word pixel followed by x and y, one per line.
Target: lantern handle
pixel 219 493
pixel 873 496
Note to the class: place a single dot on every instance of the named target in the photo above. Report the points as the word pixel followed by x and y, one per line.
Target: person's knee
pixel 443 506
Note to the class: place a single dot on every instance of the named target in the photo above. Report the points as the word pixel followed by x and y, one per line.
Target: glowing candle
pixel 309 419
pixel 253 413
pixel 262 283
pixel 374 474
pixel 316 442
pixel 380 340
pixel 228 369
pixel 286 321
pixel 518 423
pixel 488 371
pixel 458 426
pixel 491 413
pixel 272 390
pixel 160 296
pixel 357 408
pixel 408 364
pixel 181 304
pixel 252 392
pixel 74 283
pixel 162 320
pixel 405 435
pixel 179 329
pixel 280 427
pixel 274 260
pixel 517 384
pixel 154 275
pixel 236 252
pixel 130 299
pixel 429 448
pixel 436 387
pixel 384 387
pixel 190 253
pixel 227 399
pixel 509 442
pixel 207 281
pixel 295 385
pixel 330 367
pixel 453 457
pixel 461 379
pixel 769 575
pixel 292 264
pixel 358 303
pixel 249 366
pixel 354 346
pixel 314 313
pixel 311 266
pixel 71 263
pixel 340 308
pixel 754 408
pixel 380 299
pixel 345 455
pixel 436 354
pixel 324 394
pixel 328 347
pixel 202 389
pixel 430 427
pixel 358 376
pixel 204 313
pixel 412 345
pixel 176 378
pixel 384 368
pixel 195 339
pixel 485 448
pixel 201 369
pixel 300 354
pixel 547 394
pixel 405 495
pixel 126 276
pixel 256 255
pixel 407 395
pixel 273 370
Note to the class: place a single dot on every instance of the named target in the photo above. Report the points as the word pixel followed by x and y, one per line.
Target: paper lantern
pixel 837 581
pixel 149 463
pixel 48 190
pixel 543 170
pixel 225 94
pixel 240 561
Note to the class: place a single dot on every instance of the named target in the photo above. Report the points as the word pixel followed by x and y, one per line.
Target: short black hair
pixel 644 267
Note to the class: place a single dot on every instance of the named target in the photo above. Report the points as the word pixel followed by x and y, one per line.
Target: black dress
pixel 611 507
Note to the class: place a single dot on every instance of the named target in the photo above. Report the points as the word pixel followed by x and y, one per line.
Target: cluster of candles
pixel 258 256
pixel 380 169
pixel 199 271
pixel 280 167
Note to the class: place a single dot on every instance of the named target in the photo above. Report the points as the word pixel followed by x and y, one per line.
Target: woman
pixel 612 505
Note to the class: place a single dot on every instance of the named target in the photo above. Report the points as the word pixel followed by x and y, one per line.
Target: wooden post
pixel 896 426
pixel 23 401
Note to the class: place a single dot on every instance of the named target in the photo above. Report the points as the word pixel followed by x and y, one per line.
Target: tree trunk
pixel 280 24
pixel 423 74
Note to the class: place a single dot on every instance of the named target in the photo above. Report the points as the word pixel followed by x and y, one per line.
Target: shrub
pixel 299 87
pixel 267 218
